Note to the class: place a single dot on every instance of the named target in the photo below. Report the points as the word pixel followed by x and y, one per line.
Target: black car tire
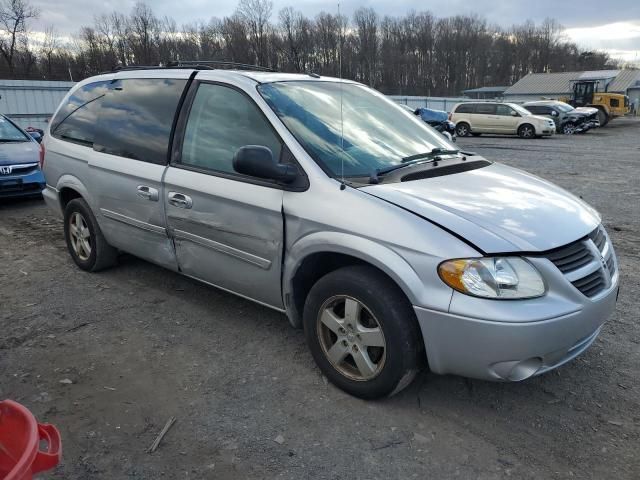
pixel 463 129
pixel 526 131
pixel 102 255
pixel 391 311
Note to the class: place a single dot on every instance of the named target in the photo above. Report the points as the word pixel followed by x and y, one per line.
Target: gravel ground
pixel 141 344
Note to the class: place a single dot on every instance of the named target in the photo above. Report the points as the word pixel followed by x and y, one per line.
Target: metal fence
pixel 435 103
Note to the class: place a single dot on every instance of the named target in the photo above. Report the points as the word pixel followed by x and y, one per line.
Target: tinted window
pixel 534 109
pixel 221 121
pixel 76 119
pixel 465 108
pixel 615 102
pixel 504 110
pixel 486 108
pixel 136 118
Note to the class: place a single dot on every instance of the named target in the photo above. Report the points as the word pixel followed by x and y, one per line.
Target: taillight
pixel 41 156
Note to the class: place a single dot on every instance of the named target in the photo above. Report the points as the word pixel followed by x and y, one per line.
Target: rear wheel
pixel 362 332
pixel 463 129
pixel 85 242
pixel 526 131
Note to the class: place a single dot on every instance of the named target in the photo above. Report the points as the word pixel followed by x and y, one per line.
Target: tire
pixel 603 118
pixel 569 128
pixel 378 364
pixel 526 131
pixel 85 242
pixel 463 129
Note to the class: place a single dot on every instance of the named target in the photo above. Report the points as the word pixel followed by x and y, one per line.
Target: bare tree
pixel 256 14
pixel 14 16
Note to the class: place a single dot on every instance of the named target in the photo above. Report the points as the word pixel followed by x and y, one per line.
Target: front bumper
pixel 22 185
pixel 510 351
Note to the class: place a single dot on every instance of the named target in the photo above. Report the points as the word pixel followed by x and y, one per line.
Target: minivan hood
pixel 498 209
pixel 12 153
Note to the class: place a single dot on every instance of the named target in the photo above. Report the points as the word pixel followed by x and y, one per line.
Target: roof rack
pixel 217 64
pixel 197 65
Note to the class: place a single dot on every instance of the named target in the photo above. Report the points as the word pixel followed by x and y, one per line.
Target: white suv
pixel 501 118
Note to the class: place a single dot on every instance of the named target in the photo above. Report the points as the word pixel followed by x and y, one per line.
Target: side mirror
pixel 514 113
pixel 258 161
pixel 554 113
pixel 36 136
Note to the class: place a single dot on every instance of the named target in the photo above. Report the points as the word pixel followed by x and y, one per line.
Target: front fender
pixel 361 248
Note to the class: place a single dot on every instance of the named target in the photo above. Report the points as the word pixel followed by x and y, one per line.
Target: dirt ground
pixel 141 344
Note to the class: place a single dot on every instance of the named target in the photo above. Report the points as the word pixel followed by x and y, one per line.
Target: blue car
pixel 21 158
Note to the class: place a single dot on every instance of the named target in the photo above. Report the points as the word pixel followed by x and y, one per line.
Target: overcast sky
pixel 612 25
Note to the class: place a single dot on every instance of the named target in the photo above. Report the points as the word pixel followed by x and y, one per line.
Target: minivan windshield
pixel 10 133
pixel 374 133
pixel 521 110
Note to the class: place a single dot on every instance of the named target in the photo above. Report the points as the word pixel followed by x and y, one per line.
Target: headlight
pixel 493 277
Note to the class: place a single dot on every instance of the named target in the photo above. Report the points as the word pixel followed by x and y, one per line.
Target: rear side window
pixel 534 109
pixel 465 108
pixel 136 118
pixel 221 121
pixel 76 120
pixel 486 108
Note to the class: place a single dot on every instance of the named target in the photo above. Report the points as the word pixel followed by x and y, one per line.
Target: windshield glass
pixel 9 132
pixel 375 132
pixel 521 110
pixel 564 107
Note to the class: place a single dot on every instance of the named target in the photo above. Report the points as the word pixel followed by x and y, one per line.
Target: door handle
pixel 180 200
pixel 149 193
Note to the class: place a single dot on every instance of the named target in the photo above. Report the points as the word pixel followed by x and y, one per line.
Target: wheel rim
pixel 80 236
pixel 569 129
pixel 527 132
pixel 351 338
pixel 462 131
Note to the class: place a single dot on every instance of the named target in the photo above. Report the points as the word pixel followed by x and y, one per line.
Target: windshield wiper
pixel 432 153
pixel 408 161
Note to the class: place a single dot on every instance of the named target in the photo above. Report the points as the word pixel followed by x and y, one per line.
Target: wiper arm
pixel 433 152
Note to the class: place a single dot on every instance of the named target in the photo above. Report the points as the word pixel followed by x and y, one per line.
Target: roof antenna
pixel 342 184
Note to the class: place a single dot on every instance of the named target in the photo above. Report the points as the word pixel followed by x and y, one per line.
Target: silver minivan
pixel 324 200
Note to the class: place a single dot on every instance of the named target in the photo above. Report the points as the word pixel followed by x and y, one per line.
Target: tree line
pixel 414 54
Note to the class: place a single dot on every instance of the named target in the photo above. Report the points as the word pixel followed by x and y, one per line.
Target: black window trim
pixel 302 184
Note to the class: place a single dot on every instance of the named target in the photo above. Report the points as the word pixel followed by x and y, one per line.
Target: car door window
pixel 504 110
pixel 485 109
pixel 136 118
pixel 222 120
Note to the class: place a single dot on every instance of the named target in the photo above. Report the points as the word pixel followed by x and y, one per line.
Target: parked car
pixel 474 118
pixel 20 161
pixel 567 119
pixel 437 119
pixel 321 199
pixel 592 115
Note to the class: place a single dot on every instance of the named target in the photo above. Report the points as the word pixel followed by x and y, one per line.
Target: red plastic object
pixel 20 437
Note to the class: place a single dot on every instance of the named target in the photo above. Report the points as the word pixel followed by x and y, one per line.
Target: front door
pixel 507 119
pixel 227 227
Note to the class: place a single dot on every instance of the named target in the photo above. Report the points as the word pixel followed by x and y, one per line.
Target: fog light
pixel 517 371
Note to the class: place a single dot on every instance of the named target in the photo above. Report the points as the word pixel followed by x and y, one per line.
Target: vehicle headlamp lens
pixel 493 277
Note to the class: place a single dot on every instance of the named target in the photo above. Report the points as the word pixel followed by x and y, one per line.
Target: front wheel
pixel 526 131
pixel 362 332
pixel 568 129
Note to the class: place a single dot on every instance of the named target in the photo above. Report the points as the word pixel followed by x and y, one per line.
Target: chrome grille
pixel 22 169
pixel 589 264
pixel 571 257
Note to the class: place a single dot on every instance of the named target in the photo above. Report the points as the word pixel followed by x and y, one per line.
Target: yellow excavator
pixel 609 105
